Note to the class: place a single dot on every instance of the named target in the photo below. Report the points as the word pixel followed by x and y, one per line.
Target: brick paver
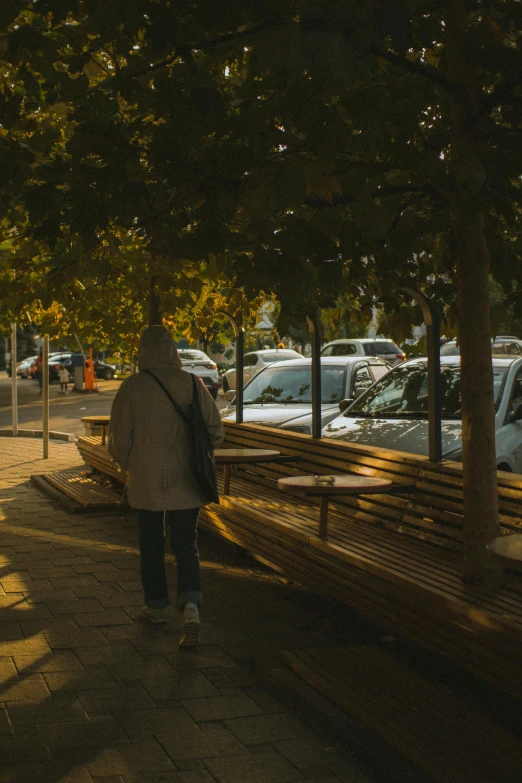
pixel 89 693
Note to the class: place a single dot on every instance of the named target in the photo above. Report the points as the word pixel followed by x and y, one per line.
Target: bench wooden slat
pixel 418 718
pixel 375 599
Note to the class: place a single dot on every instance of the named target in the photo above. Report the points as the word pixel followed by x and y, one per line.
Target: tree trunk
pixel 478 416
pixel 472 264
pixel 155 318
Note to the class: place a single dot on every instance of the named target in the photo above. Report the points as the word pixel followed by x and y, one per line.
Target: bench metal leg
pixel 323 517
pixel 226 479
pixel 104 433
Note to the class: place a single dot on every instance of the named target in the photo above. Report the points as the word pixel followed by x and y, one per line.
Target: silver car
pixel 281 394
pixel 198 363
pixel 380 347
pixel 393 414
pixel 258 360
pixel 23 368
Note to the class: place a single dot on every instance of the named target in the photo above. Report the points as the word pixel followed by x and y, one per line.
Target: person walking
pixel 149 440
pixel 63 376
pixel 38 371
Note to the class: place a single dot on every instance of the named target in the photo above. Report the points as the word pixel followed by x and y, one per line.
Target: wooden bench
pixel 394 558
pixel 442 735
pixel 96 425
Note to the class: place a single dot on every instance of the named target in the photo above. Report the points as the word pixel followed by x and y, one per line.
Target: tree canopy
pixel 302 148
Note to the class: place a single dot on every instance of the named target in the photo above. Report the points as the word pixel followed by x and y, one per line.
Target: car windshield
pixel 404 393
pixel 191 356
pixel 379 348
pixel 294 385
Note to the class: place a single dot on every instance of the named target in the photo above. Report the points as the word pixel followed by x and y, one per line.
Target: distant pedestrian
pixel 63 375
pixel 38 372
pixel 149 440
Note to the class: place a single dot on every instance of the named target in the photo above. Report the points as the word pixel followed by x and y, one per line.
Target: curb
pixel 68 437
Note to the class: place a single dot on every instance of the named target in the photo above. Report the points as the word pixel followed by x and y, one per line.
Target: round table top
pixel 343 485
pixel 97 419
pixel 245 455
pixel 508 549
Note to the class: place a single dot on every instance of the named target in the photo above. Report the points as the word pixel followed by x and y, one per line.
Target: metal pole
pixel 14 388
pixel 432 321
pixel 45 396
pixel 316 377
pixel 240 343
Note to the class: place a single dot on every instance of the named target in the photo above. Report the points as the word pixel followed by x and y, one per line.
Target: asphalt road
pixel 65 411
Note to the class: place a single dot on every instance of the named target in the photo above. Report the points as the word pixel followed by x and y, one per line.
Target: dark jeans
pixel 183 540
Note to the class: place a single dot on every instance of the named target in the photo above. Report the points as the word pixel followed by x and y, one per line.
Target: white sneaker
pixel 191 626
pixel 155 616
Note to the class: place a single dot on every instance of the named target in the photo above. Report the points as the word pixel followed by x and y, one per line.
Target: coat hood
pixel 157 349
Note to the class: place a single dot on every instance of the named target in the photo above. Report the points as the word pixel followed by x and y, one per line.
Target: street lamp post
pixel 14 389
pixel 240 341
pixel 45 397
pixel 316 376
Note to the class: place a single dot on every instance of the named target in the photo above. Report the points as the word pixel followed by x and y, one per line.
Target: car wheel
pixel 108 375
pixel 226 385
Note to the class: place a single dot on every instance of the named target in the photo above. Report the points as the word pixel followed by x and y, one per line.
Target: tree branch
pixel 419 68
pixel 391 190
pixel 203 45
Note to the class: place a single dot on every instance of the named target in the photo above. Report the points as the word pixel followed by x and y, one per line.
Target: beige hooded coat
pixel 148 439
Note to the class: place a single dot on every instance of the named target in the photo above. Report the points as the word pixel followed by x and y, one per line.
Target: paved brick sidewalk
pixel 89 693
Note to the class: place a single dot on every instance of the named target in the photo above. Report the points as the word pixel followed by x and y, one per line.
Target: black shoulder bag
pixel 202 461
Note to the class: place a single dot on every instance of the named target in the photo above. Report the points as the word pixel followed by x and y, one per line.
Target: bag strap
pixel 169 395
pixel 195 397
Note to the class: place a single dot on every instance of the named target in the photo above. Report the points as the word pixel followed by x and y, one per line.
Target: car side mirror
pixel 358 391
pixel 230 395
pixel 344 404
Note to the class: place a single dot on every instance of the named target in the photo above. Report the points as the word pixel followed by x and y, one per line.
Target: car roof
pixel 497 339
pixel 333 360
pixel 267 351
pixel 498 361
pixel 361 340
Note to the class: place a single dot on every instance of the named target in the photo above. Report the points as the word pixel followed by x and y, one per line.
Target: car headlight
pixel 301 428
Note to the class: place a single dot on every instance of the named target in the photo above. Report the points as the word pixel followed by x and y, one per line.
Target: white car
pixel 198 363
pixel 380 347
pixel 281 394
pixel 508 346
pixel 258 360
pixel 393 414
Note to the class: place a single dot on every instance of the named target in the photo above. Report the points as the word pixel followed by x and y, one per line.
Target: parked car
pixel 258 360
pixel 510 346
pixel 52 374
pixel 101 369
pixel 198 363
pixel 393 413
pixel 23 368
pixel 280 395
pixel 369 346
